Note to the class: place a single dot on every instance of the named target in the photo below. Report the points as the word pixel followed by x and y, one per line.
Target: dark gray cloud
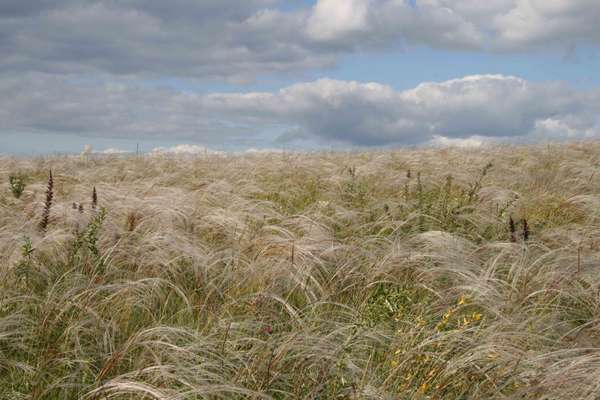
pixel 325 110
pixel 240 40
pixel 202 39
pixel 28 8
pixel 208 39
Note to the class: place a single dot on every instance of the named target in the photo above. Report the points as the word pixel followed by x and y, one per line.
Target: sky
pixel 239 75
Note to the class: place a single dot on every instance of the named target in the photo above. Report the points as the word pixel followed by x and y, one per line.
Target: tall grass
pixel 327 275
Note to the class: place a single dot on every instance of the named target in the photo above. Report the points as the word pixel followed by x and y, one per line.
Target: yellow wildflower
pixel 448 314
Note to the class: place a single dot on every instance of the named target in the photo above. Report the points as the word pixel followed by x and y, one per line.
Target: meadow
pixel 402 274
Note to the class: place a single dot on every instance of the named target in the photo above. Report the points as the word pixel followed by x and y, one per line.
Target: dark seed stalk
pixel 48 203
pixel 512 230
pixel 94 199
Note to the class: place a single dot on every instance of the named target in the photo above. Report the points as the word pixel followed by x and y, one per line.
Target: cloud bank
pixel 86 68
pixel 240 40
pixel 322 111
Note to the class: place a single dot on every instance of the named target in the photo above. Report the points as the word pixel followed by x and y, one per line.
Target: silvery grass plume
pixel 269 276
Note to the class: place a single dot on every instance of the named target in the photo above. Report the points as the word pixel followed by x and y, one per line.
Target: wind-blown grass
pixel 329 275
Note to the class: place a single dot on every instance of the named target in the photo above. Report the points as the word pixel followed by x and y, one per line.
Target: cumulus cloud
pixel 374 114
pixel 239 40
pixel 491 25
pixel 332 18
pixel 324 111
pixel 523 24
pixel 472 142
pixel 112 150
pixel 189 149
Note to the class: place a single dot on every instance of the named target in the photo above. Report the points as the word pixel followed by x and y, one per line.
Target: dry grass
pixel 333 275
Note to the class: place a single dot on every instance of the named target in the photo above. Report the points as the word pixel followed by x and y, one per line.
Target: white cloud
pixel 332 18
pixel 253 150
pixel 325 111
pixel 113 150
pixel 184 149
pixel 472 142
pixel 529 23
pixel 371 24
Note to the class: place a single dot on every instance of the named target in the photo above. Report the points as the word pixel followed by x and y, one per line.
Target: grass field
pixel 377 275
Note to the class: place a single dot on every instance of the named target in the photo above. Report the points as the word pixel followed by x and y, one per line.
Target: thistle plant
pixel 27 247
pixel 24 265
pixel 476 186
pixel 47 203
pixel 17 185
pixel 93 232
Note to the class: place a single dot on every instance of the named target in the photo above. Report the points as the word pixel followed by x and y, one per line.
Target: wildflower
pixel 448 314
pixel 462 300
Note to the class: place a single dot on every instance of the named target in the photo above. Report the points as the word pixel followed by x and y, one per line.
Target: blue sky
pixel 405 69
pixel 236 75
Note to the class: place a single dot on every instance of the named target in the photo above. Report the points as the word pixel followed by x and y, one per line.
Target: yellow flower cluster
pixel 462 321
pixel 467 319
